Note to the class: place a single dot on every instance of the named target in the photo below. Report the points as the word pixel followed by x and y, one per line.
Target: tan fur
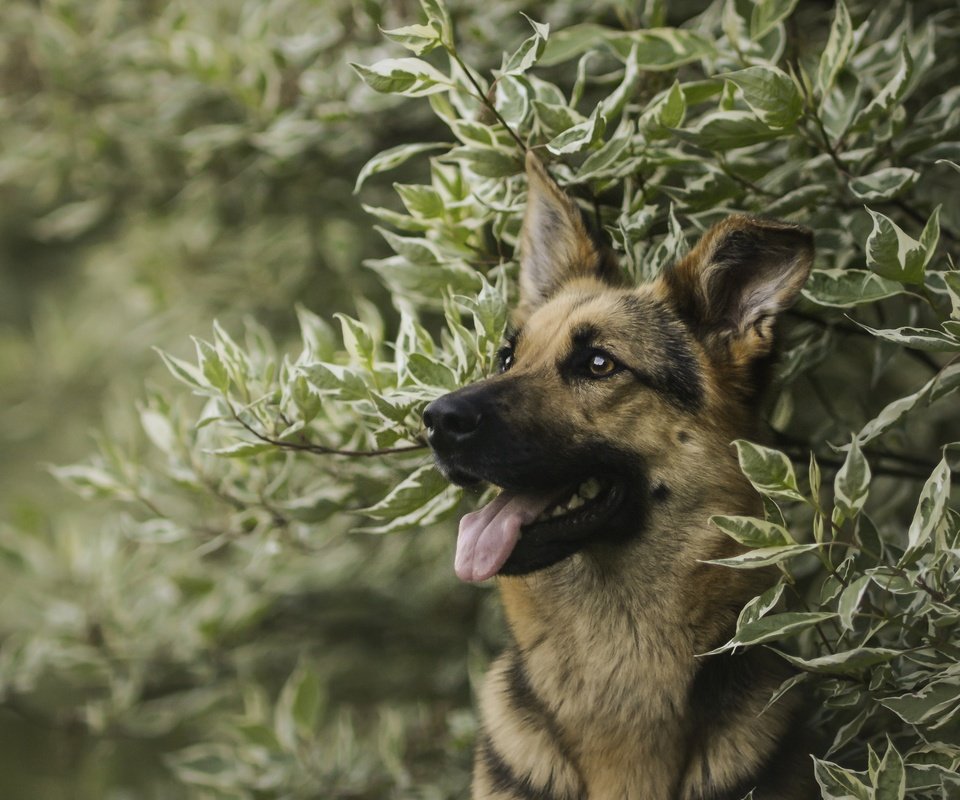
pixel 608 639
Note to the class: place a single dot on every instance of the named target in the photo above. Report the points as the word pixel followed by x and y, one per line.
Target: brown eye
pixel 601 365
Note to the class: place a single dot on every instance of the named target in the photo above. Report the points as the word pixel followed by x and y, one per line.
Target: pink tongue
pixel 488 535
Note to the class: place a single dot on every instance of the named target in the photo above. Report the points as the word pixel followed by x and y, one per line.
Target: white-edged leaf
pixel 422 485
pixel 845 288
pixel 774 627
pixel 580 137
pixel 410 77
pixel 883 184
pixel 767 14
pixel 849 602
pixel 764 556
pixel 769 470
pixel 852 483
pixel 393 158
pixel 753 532
pixel 837 52
pixel 770 93
pixel 930 511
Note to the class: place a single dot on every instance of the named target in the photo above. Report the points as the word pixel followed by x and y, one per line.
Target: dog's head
pixel 613 405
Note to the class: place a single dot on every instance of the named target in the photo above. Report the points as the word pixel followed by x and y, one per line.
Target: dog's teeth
pixel 557 511
pixel 590 489
pixel 575 502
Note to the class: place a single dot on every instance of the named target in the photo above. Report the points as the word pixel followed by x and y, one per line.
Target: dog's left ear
pixel 743 272
pixel 555 245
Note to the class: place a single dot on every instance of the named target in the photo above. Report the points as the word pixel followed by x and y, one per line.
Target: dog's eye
pixel 505 357
pixel 601 365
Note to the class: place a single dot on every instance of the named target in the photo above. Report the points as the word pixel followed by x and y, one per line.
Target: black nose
pixel 451 420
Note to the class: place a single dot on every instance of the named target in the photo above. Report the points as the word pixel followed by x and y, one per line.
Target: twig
pixel 485 100
pixel 309 447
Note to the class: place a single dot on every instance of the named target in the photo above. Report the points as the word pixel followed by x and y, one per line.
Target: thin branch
pixel 309 447
pixel 481 96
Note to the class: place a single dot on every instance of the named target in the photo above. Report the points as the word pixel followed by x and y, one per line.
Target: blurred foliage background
pixel 213 627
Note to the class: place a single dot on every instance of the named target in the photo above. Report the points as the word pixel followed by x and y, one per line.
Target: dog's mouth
pixel 520 532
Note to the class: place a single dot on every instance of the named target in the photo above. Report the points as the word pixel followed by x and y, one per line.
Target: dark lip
pixel 594 512
pixel 543 544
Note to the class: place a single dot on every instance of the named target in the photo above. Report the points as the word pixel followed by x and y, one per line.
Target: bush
pixel 222 609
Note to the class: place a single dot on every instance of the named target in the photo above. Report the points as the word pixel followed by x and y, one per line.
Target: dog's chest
pixel 615 683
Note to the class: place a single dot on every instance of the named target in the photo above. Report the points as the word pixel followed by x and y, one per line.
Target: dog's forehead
pixel 627 315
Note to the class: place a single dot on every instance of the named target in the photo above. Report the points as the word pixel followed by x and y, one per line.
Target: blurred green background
pixel 163 164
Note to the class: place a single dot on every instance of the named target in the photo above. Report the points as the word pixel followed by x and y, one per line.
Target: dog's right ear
pixel 555 246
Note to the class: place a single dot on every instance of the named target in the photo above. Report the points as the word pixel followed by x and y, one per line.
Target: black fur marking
pixel 583 335
pixel 661 492
pixel 683 437
pixel 525 699
pixel 718 692
pixel 677 374
pixel 503 778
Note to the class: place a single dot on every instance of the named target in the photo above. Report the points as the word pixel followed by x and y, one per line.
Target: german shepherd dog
pixel 608 430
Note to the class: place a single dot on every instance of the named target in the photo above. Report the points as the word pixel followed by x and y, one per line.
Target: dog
pixel 608 430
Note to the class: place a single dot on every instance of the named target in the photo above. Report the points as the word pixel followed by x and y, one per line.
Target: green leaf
pixel 844 662
pixel 837 783
pixel 410 77
pixel 242 449
pixel 580 137
pixel 767 14
pixel 770 471
pixel 158 429
pixel 423 202
pixel 849 602
pixel 939 386
pixel 728 130
pixel 211 765
pixel 761 605
pixel 529 52
pixel 889 779
pixel 421 39
pixel 929 703
pixel 659 49
pixel 89 480
pixel 852 484
pixel 335 380
pixel 753 532
pixel 919 338
pixel 487 162
pixel 555 118
pixel 438 18
pixel 889 96
pixel 838 50
pixel 183 371
pixel 298 708
pixel 357 339
pixel 513 100
pixel 764 556
pixel 770 93
pixel 774 627
pixel 431 373
pixel 845 288
pixel 393 158
pixel 884 184
pixel 893 254
pixel 211 365
pixel 409 495
pixel 930 511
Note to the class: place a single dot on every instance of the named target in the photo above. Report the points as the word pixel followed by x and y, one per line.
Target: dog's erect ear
pixel 743 272
pixel 555 246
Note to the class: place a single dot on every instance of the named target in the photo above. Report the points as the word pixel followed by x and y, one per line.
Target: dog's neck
pixel 615 640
